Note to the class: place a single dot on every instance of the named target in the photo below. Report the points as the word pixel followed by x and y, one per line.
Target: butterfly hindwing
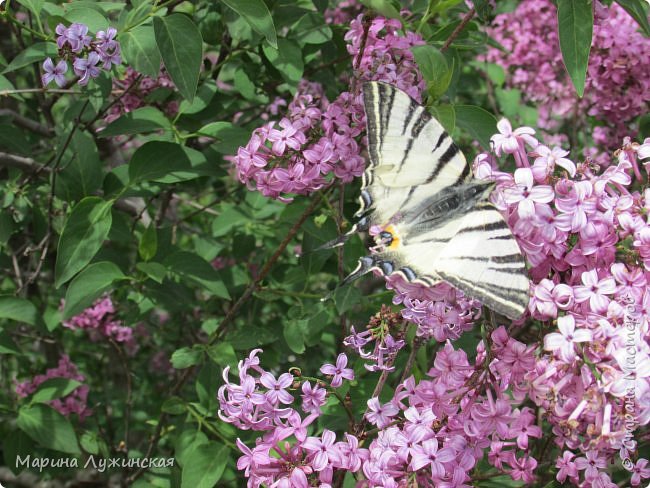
pixel 484 260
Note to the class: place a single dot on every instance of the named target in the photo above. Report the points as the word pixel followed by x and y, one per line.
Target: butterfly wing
pixel 443 228
pixel 411 156
pixel 483 260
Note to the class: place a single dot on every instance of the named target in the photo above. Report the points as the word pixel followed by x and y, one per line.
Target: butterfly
pixel 432 221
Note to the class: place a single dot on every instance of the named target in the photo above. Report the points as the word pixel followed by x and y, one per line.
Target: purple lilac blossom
pixel 54 73
pixel 75 402
pixel 617 88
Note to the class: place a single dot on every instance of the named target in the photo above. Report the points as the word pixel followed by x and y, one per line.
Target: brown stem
pixel 223 325
pixel 21 162
pixel 265 270
pixel 417 343
pixel 101 113
pixel 463 23
pixel 129 391
pixel 162 418
pixel 340 256
pixel 26 123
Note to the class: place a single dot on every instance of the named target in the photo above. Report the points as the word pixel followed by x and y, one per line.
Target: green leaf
pixel 346 297
pixel 155 271
pixel 15 444
pixel 19 309
pixel 33 54
pixel 294 334
pixel 148 245
pixel 311 29
pixel 383 7
pixel 87 14
pixel 186 442
pixel 204 96
pixel 140 50
pixel 90 442
pixel 181 46
pixel 83 175
pixel 48 428
pixel 446 115
pixel 7 344
pixel 54 388
pixel 156 159
pixel 89 285
pixel 223 354
pixel 207 383
pixel 257 14
pixel 575 24
pixel 639 12
pixel 145 119
pixel 34 5
pixel 480 123
pixel 174 406
pixel 84 233
pixel 196 269
pixel 185 357
pixel 287 59
pixel 208 462
pixel 434 69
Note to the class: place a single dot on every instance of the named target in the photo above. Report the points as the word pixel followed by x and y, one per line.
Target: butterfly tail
pixel 360 226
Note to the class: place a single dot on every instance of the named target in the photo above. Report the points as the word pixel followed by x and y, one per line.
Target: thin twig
pixel 417 343
pixel 201 208
pixel 223 326
pixel 340 257
pixel 101 113
pixel 159 426
pixel 26 123
pixel 463 23
pixel 265 270
pixel 129 391
pixel 21 162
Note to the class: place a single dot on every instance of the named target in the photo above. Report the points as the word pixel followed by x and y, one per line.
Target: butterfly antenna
pixel 366 263
pixel 362 225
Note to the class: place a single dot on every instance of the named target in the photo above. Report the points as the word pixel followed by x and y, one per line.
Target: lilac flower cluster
pixel 74 402
pixel 433 431
pixel 317 138
pixel 139 89
pixel 386 331
pixel 262 403
pixel 88 56
pixel 100 322
pixel 617 88
pixel 586 235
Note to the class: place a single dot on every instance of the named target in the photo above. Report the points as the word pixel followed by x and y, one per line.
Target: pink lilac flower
pixel 86 68
pixel 100 322
pixel 339 372
pixel 616 89
pixel 56 73
pixel 565 340
pixel 312 397
pixel 75 36
pixel 76 46
pixel 429 455
pixel 316 137
pixel 380 415
pixel 75 402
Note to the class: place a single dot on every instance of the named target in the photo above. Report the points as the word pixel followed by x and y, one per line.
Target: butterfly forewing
pixel 403 141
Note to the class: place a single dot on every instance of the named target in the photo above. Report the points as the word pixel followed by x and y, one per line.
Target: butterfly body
pixel 432 222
